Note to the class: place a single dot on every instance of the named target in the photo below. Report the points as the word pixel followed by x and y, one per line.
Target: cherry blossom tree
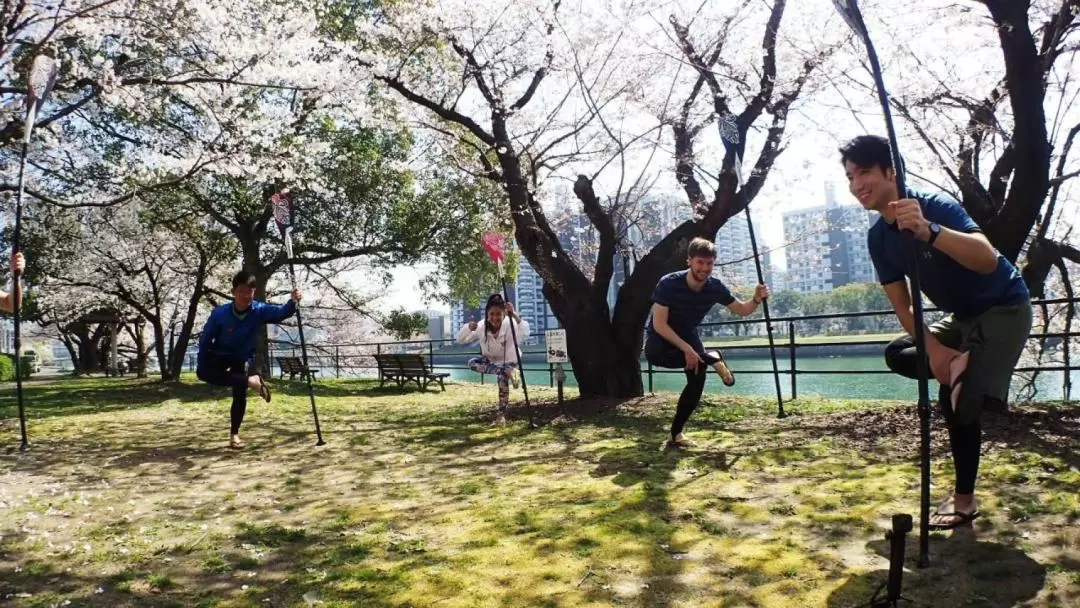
pixel 540 92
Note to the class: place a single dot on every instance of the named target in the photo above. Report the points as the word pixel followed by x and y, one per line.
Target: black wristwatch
pixel 935 230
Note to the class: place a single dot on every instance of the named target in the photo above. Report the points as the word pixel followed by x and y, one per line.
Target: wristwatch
pixel 935 230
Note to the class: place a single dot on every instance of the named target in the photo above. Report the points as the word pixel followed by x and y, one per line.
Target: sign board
pixel 556 346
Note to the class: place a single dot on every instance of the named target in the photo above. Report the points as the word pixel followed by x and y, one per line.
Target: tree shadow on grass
pixel 964 571
pixel 77 397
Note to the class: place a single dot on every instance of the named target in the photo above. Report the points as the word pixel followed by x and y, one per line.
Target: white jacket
pixel 496 346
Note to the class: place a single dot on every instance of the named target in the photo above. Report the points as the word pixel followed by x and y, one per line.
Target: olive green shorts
pixel 995 340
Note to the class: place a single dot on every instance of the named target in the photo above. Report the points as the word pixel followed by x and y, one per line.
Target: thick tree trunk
pixel 1030 183
pixel 604 356
pixel 85 359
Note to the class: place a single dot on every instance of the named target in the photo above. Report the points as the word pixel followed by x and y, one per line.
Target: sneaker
pixel 264 391
pixel 515 377
pixel 500 419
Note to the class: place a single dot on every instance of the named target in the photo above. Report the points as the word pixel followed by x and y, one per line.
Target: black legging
pixel 695 382
pixel 965 439
pixel 226 372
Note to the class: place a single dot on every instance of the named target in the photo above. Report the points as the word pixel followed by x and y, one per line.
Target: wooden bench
pixel 403 368
pixel 294 367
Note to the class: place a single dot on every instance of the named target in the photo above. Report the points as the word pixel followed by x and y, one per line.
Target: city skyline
pixel 734 259
pixel 831 249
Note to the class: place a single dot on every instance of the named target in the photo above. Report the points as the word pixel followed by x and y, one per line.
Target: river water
pixel 753 376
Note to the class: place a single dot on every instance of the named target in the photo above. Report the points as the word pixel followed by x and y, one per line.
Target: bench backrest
pixel 290 364
pixel 387 362
pixel 413 364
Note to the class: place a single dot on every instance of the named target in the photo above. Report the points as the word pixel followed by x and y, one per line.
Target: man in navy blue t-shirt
pixel 227 346
pixel 973 350
pixel 680 301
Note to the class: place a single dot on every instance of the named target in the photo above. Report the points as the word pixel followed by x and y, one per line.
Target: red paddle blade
pixel 493 244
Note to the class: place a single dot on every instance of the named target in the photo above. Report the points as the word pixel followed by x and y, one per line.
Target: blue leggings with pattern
pixel 502 375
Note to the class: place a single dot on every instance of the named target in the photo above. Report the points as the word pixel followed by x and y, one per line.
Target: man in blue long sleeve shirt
pixel 227 345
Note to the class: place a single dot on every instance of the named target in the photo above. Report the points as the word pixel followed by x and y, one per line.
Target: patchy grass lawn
pixel 129 497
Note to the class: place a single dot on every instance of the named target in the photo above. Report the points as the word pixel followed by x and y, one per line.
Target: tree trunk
pixel 72 353
pixel 140 348
pixel 178 349
pixel 604 356
pixel 85 358
pixel 1030 182
pixel 164 351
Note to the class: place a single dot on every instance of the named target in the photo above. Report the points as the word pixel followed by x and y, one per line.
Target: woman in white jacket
pixel 498 350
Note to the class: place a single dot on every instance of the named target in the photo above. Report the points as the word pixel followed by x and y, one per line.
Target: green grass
pixel 129 497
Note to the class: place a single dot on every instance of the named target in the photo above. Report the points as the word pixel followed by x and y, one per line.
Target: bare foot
pixel 679 441
pixel 235 443
pixel 954 511
pixel 722 370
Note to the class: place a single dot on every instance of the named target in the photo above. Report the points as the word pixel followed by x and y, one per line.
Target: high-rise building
pixel 826 246
pixel 735 255
pixel 531 304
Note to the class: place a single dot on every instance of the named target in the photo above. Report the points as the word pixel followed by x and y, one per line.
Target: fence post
pixel 791 349
pixel 551 375
pixel 337 361
pixel 431 354
pixel 649 363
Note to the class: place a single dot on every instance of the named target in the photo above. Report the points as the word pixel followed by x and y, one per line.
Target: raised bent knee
pixel 900 356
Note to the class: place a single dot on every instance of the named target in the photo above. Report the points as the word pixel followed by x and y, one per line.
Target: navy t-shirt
pixel 686 308
pixel 945 282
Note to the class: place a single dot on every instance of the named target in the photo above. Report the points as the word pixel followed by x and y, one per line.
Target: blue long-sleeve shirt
pixel 232 335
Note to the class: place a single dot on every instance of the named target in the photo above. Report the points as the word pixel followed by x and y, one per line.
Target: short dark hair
pixel 243 278
pixel 701 248
pixel 868 151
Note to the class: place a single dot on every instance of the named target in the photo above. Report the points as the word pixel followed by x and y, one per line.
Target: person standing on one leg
pixel 227 346
pixel 680 301
pixel 973 350
pixel 498 351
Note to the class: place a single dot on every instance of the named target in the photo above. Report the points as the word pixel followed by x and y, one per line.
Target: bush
pixel 7 368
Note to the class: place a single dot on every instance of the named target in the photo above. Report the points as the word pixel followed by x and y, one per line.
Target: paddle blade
pixel 493 244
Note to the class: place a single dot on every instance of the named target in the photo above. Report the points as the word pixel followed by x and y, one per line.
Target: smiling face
pixel 873 186
pixel 700 267
pixel 495 316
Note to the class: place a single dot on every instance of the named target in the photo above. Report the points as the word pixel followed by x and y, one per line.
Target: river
pixel 753 376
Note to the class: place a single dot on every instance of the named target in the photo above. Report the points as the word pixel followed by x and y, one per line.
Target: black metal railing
pixel 348 359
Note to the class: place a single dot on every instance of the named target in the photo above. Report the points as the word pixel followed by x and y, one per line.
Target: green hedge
pixel 7 368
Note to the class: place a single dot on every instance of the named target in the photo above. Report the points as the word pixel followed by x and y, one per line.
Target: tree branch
pixel 768 74
pixel 440 110
pixel 542 71
pixel 605 257
pixel 123 198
